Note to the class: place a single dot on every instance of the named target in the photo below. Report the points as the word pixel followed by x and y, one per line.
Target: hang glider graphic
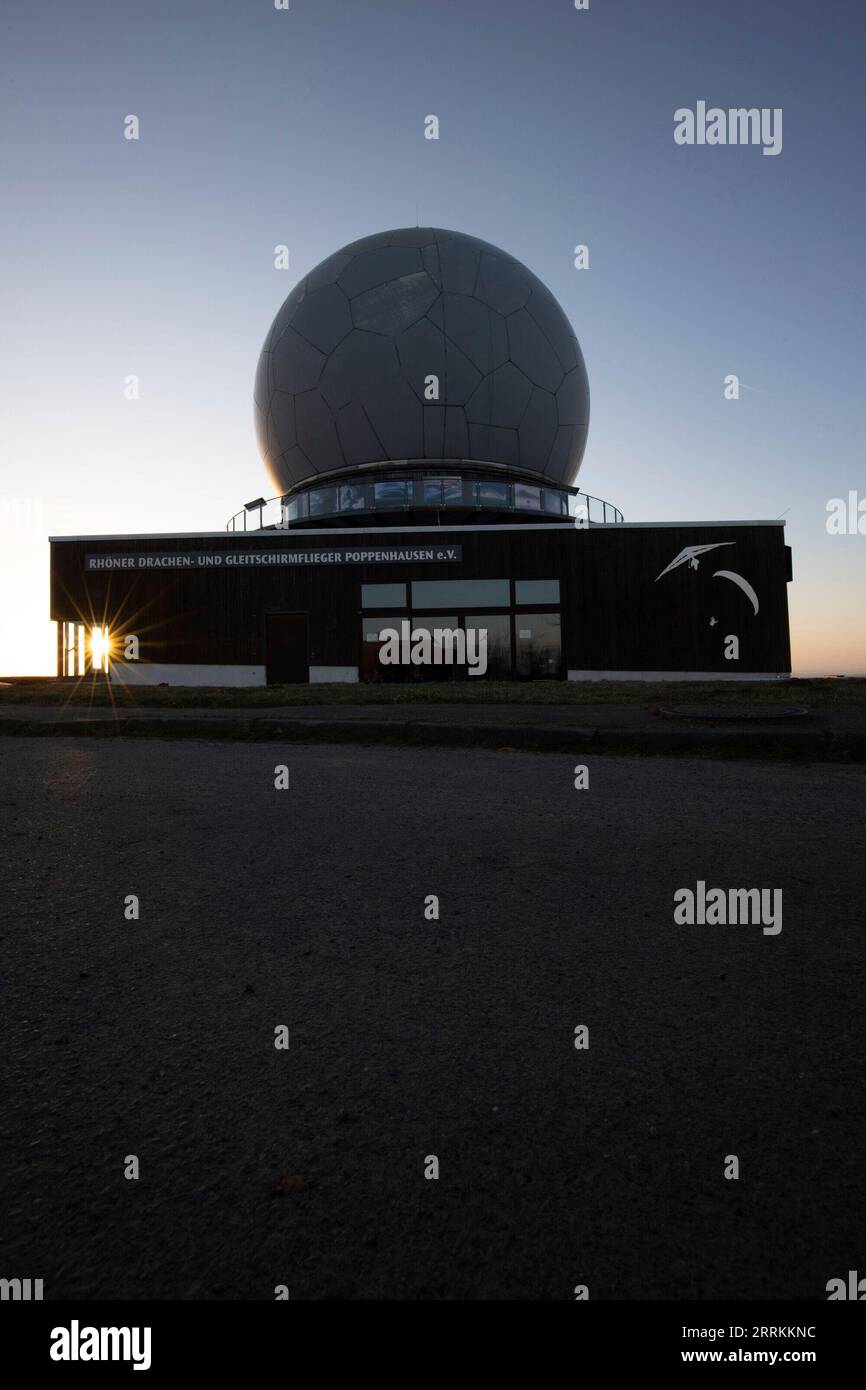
pixel 690 555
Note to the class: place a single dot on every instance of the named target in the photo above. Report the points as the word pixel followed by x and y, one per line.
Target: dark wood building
pixel 703 599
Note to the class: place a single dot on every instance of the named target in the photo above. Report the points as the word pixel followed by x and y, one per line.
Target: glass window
pixel 498 629
pixel 492 494
pixel 303 505
pixel 353 497
pixel 527 498
pixel 370 627
pixel 383 595
pixel 394 493
pixel 443 651
pixel 427 622
pixel 461 593
pixel 452 492
pixel 371 667
pixel 431 493
pixel 538 646
pixel 554 502
pixel 292 509
pixel 322 501
pixel 536 591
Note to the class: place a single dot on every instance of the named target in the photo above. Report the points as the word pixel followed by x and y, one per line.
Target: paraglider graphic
pixel 741 583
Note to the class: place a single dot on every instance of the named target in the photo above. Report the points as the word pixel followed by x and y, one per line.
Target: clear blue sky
pixel 305 127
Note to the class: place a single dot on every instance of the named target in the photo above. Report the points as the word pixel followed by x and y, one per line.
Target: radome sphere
pixel 344 374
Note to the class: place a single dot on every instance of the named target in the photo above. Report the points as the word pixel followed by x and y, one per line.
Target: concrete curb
pixel 781 743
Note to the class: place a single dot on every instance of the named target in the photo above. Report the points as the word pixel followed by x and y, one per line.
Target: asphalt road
pixel 410 1037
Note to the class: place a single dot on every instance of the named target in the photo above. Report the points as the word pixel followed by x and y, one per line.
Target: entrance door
pixel 288 663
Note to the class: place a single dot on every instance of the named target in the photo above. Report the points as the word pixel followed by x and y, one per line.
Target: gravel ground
pixel 412 1037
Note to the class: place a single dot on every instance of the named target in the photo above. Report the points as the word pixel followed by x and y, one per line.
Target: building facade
pixel 421 404
pixel 615 601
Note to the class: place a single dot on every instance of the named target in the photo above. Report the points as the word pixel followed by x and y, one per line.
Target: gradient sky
pixel 305 127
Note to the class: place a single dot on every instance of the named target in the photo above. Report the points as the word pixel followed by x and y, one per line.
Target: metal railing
pixel 252 510
pixel 268 512
pixel 594 509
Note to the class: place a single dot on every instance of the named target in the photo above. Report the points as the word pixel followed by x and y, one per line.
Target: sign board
pixel 273 559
